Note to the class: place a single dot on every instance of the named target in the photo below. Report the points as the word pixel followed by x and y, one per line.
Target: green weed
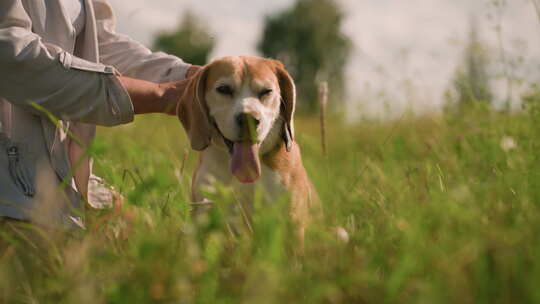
pixel 439 210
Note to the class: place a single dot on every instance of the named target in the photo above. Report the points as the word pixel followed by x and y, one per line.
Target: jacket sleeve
pixel 131 58
pixel 70 88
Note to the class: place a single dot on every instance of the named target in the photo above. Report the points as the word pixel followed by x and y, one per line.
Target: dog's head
pixel 244 103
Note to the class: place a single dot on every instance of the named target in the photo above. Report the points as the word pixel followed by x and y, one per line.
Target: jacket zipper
pixel 18 172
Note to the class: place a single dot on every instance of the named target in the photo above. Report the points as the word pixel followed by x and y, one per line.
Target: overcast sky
pixel 406 51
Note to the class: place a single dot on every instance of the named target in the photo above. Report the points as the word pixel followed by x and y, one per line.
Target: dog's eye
pixel 264 92
pixel 225 90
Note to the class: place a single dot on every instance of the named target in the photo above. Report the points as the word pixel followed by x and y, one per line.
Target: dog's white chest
pixel 271 184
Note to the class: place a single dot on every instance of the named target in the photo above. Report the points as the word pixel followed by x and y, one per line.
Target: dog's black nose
pixel 243 120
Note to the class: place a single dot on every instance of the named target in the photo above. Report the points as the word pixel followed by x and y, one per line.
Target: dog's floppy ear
pixel 288 101
pixel 193 111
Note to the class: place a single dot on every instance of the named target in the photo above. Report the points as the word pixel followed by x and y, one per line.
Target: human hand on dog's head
pixel 173 91
pixel 150 97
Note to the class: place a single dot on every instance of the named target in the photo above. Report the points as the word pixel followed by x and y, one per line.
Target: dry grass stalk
pixel 323 100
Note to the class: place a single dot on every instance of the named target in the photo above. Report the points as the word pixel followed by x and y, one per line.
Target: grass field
pixel 439 210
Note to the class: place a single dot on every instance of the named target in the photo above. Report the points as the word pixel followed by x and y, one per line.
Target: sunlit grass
pixel 439 210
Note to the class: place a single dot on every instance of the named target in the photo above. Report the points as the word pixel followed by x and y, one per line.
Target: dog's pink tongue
pixel 245 164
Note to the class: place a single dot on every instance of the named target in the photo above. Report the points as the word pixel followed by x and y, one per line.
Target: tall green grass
pixel 439 210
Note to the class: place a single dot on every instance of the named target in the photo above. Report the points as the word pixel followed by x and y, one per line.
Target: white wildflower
pixel 342 234
pixel 508 143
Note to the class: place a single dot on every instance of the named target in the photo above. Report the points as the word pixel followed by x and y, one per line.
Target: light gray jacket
pixel 42 63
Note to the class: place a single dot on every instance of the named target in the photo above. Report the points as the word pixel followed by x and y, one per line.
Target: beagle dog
pixel 238 111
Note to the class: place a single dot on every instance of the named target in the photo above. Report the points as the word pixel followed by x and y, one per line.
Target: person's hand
pixel 173 91
pixel 150 97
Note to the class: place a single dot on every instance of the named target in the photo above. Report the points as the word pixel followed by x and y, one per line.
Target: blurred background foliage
pixel 191 41
pixel 471 83
pixel 308 39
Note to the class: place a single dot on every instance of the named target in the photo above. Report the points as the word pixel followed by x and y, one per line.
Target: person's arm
pixel 130 57
pixel 32 71
pixel 151 97
pixel 154 80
